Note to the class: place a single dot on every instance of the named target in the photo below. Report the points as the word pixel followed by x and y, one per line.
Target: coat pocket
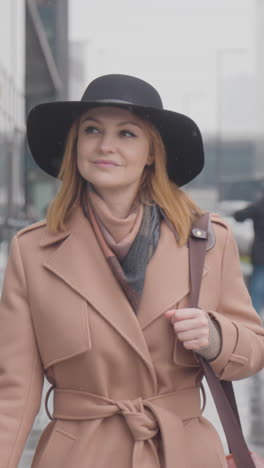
pixel 206 450
pixel 62 325
pixel 183 357
pixel 56 451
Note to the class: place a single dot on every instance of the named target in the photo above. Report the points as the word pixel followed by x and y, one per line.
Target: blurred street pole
pixel 220 54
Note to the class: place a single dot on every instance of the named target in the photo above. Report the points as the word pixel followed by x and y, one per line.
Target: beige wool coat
pixel 127 392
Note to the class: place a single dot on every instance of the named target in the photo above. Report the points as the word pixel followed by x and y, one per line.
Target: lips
pixel 105 162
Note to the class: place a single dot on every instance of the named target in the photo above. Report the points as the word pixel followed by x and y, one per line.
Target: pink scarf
pixel 119 233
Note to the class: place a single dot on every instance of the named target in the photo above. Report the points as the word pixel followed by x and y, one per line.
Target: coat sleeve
pixel 21 372
pixel 242 352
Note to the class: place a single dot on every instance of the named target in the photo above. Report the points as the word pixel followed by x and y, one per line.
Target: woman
pixel 96 296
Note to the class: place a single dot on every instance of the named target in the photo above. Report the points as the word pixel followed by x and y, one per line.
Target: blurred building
pixel 230 171
pixel 46 79
pixel 77 69
pixel 33 69
pixel 12 114
pixel 260 81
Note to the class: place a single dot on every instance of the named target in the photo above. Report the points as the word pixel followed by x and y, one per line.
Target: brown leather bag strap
pixel 230 423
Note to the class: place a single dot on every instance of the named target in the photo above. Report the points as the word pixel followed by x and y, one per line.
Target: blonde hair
pixel 155 186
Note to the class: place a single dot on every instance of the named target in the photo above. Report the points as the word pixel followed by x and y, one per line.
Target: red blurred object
pixel 257 459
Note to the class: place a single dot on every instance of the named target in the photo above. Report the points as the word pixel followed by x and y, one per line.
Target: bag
pixel 222 391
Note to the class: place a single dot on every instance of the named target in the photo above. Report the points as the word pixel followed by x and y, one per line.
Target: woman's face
pixel 112 148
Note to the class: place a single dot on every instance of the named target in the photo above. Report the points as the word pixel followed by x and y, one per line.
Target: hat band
pixel 113 101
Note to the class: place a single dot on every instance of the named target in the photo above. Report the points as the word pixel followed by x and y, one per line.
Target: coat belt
pixel 144 418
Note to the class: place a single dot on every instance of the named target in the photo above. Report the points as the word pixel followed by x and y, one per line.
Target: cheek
pixel 84 151
pixel 145 152
pixel 142 158
pixel 82 158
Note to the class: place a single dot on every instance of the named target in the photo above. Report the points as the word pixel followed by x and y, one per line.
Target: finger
pixel 198 334
pixel 178 313
pixel 170 313
pixel 195 345
pixel 184 325
pixel 184 314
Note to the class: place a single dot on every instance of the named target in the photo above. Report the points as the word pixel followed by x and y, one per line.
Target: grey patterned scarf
pixel 135 263
pixel 130 272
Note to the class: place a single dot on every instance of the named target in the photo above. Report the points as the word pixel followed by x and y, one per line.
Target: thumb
pixel 169 313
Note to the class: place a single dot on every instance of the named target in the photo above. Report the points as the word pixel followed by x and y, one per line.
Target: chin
pixel 105 184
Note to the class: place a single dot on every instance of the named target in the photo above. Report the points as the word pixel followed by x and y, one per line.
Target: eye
pixel 91 130
pixel 127 133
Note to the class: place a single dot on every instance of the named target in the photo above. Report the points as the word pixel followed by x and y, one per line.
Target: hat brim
pixel 48 125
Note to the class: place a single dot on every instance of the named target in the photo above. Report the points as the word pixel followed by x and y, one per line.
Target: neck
pixel 119 202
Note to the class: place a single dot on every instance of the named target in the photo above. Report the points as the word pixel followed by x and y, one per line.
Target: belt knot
pixel 140 420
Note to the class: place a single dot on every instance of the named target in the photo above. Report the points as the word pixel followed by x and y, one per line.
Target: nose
pixel 107 143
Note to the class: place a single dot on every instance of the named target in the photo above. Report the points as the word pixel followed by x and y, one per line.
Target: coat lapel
pixel 80 263
pixel 167 278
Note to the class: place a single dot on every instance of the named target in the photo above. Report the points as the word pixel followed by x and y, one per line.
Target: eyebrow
pixel 87 117
pixel 130 122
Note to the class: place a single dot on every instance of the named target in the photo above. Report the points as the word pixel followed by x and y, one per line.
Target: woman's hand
pixel 191 327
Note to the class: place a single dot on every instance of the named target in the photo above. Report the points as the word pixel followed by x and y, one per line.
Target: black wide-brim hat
pixel 48 125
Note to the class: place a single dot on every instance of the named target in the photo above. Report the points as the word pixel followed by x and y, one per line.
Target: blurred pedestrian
pixel 96 297
pixel 255 212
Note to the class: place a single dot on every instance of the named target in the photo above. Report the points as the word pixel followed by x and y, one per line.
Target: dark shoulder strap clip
pixel 199 233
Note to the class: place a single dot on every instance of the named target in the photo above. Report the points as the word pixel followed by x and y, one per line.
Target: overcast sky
pixel 175 44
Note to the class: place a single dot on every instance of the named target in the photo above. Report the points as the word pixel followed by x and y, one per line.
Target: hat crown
pixel 48 125
pixel 122 88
